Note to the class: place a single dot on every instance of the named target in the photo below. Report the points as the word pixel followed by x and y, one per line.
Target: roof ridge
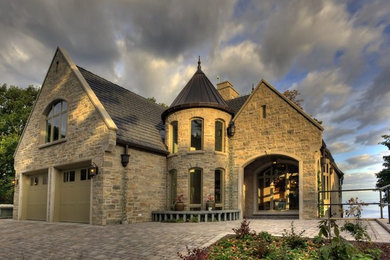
pixel 146 99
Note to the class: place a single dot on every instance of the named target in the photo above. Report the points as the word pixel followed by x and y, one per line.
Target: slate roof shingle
pixel 138 119
pixel 236 103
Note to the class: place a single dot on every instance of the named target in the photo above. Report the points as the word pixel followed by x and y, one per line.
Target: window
pixel 56 121
pixel 219 136
pixel 174 136
pixel 218 186
pixel 195 186
pixel 172 188
pixel 44 179
pixel 69 176
pixel 196 134
pixel 264 111
pixel 34 181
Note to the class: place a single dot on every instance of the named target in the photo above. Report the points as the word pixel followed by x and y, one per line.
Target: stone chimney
pixel 227 91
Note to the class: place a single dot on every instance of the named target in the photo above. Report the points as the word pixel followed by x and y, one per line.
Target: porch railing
pixel 381 203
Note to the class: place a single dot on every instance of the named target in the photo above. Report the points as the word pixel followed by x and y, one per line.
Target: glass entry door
pixel 278 189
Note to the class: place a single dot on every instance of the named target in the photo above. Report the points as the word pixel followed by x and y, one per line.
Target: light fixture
pixel 125 157
pixel 93 169
pixel 231 130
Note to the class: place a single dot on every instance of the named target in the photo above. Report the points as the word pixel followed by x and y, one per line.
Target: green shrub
pixel 294 240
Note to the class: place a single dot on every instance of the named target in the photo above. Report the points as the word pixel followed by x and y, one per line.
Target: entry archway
pixel 271 187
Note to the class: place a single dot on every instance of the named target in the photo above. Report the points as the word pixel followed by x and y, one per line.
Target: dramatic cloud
pixel 335 53
pixel 371 138
pixel 340 147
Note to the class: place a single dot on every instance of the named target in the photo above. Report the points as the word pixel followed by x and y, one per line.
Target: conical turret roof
pixel 198 92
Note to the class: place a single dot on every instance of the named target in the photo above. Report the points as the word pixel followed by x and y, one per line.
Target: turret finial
pixel 199 63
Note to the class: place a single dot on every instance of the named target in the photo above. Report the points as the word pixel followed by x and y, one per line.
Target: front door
pixel 277 189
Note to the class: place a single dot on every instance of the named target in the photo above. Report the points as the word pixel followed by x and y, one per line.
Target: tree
pixel 383 177
pixel 153 99
pixel 15 106
pixel 293 96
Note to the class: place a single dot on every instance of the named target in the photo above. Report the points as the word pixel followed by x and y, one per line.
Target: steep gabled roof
pixel 138 119
pixel 198 92
pixel 236 103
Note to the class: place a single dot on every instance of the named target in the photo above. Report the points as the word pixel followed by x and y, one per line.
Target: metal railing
pixel 381 203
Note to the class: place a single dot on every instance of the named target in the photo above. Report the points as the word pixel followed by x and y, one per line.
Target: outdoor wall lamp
pixel 231 130
pixel 93 169
pixel 125 157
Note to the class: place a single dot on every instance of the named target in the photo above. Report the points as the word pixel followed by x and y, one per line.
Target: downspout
pixel 125 161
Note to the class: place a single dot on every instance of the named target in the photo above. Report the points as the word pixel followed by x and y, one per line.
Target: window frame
pixel 222 137
pixel 201 137
pixel 193 205
pixel 50 116
pixel 222 187
pixel 172 194
pixel 172 137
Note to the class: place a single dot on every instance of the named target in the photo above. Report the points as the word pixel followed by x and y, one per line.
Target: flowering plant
pixel 210 197
pixel 180 198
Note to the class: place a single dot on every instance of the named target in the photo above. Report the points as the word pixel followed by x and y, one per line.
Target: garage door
pixel 75 196
pixel 37 197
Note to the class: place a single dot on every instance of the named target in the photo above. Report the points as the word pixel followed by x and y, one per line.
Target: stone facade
pixel 284 130
pixel 207 159
pixel 266 125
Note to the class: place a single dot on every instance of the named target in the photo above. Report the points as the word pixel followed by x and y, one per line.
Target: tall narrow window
pixel 56 121
pixel 219 136
pixel 174 136
pixel 264 111
pixel 195 186
pixel 218 186
pixel 196 134
pixel 172 179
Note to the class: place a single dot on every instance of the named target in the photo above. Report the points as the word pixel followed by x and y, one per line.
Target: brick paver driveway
pixel 40 240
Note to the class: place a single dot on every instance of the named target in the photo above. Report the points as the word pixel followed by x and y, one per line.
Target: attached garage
pixel 36 198
pixel 74 196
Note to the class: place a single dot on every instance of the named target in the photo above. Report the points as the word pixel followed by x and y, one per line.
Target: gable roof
pixel 138 119
pixel 292 104
pixel 198 92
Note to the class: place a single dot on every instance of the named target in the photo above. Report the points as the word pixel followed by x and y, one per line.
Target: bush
pixel 294 240
pixel 357 230
pixel 243 230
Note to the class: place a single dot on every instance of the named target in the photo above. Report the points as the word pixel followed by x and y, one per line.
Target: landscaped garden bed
pixel 247 244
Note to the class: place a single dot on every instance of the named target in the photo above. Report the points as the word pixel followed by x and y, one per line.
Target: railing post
pixel 330 204
pixel 388 203
pixel 380 202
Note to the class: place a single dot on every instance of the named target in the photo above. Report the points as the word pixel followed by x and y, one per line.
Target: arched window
pixel 172 182
pixel 174 136
pixel 218 186
pixel 196 134
pixel 219 136
pixel 195 187
pixel 56 121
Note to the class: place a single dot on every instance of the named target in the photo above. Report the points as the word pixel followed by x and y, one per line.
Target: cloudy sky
pixel 336 53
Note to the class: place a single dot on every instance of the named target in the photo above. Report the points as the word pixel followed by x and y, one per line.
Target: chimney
pixel 227 91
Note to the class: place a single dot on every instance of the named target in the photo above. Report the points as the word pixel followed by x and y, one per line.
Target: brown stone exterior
pixel 267 124
pixel 208 159
pixel 227 91
pixel 88 139
pixel 284 131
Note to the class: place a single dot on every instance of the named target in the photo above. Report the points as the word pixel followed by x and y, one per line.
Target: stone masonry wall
pixel 207 159
pixel 133 192
pixel 87 135
pixel 283 130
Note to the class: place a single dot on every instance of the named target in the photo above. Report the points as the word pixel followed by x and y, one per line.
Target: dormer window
pixel 196 134
pixel 56 121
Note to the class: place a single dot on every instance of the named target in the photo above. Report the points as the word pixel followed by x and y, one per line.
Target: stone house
pixel 94 152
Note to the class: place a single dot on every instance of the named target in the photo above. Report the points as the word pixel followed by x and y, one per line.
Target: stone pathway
pixel 151 240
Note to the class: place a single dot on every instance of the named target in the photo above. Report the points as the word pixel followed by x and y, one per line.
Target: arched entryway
pixel 271 187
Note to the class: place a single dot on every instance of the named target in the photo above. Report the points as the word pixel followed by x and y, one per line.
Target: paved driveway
pixel 40 240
